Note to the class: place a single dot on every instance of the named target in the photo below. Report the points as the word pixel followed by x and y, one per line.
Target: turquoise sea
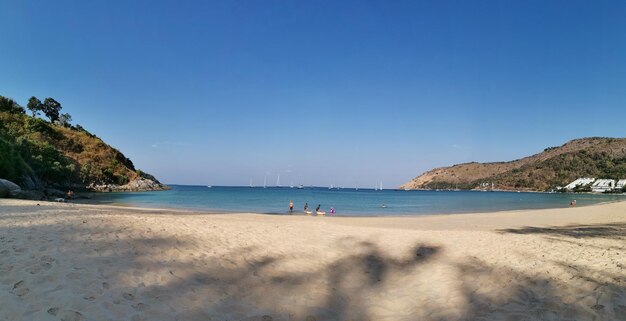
pixel 346 201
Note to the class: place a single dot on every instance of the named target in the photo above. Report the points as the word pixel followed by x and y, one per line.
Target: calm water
pixel 347 202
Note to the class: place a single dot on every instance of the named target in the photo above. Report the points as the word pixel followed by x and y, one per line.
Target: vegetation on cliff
pixel 37 153
pixel 556 166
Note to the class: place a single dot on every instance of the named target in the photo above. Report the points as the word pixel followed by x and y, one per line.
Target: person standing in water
pixel 317 209
pixel 290 207
pixel 306 207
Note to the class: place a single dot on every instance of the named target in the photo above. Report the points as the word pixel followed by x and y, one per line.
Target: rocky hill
pixel 42 155
pixel 556 166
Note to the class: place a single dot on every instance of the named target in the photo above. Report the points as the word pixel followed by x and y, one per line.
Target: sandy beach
pixel 87 262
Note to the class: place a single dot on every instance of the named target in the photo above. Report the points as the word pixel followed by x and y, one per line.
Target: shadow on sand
pixel 142 275
pixel 615 230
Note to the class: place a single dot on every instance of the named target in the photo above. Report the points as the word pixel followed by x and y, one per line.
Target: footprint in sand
pixel 66 315
pixel 128 296
pixel 34 269
pixel 20 289
pixel 89 297
pixel 106 286
pixel 47 258
pixel 140 306
pixel 19 249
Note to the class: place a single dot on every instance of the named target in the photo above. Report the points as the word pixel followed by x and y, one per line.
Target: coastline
pixel 382 213
pixel 83 262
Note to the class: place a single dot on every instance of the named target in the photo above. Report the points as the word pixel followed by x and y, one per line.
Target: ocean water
pixel 347 201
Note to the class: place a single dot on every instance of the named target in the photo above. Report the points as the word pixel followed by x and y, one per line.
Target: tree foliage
pixel 52 109
pixel 65 120
pixel 34 105
pixel 55 153
pixel 10 106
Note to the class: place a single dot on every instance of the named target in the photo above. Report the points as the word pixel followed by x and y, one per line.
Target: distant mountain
pixel 45 155
pixel 598 157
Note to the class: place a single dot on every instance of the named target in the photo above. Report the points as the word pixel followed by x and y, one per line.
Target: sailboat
pixel 278 181
pixel 265 182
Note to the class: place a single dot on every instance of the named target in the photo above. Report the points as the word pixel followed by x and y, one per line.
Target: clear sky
pixel 321 92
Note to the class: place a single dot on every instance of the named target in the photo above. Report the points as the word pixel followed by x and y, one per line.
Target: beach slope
pixel 85 262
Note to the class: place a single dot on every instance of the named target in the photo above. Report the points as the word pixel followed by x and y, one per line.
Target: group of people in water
pixel 318 212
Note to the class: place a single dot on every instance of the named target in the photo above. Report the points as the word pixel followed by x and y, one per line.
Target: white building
pixel 603 185
pixel 620 184
pixel 580 182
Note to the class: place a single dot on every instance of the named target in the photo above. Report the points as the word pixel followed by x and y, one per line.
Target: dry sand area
pixel 82 262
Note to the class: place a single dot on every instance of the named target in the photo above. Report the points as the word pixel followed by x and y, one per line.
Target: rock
pixel 140 184
pixel 6 187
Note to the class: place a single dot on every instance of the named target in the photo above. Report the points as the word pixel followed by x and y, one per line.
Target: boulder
pixel 6 187
pixel 140 184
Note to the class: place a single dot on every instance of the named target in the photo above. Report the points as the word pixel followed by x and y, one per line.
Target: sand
pixel 85 262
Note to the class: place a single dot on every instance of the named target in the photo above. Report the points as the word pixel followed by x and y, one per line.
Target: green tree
pixel 34 105
pixel 64 120
pixel 9 105
pixel 52 109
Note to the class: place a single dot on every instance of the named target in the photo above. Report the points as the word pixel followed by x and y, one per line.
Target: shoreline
pixel 504 214
pixel 297 213
pixel 98 262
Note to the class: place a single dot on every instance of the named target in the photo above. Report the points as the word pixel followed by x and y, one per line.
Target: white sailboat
pixel 278 181
pixel 265 182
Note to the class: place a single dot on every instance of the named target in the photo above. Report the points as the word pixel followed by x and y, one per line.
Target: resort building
pixel 580 182
pixel 603 185
pixel 620 184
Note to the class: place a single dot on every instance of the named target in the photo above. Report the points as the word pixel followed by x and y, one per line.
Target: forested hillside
pixel 38 153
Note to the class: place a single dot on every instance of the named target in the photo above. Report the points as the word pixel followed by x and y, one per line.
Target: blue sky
pixel 321 92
